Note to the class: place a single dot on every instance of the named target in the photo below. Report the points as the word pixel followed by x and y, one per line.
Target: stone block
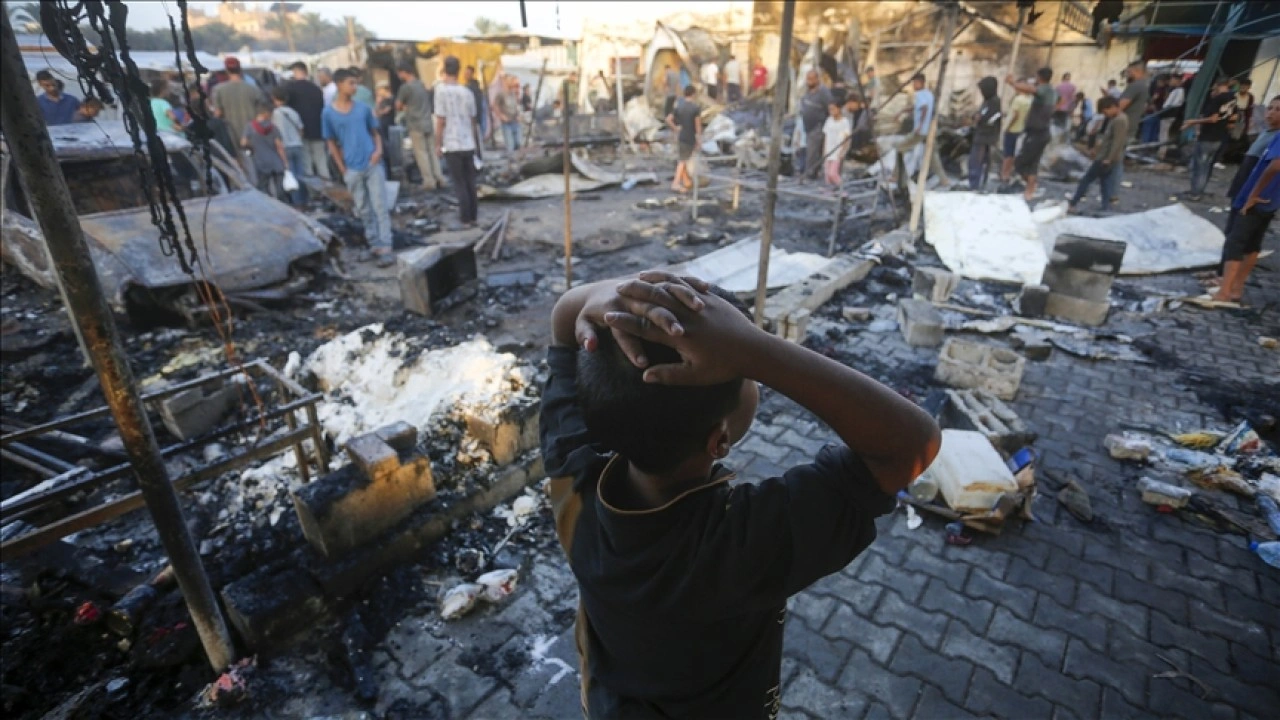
pixel 969 365
pixel 436 278
pixel 796 326
pixel 506 431
pixel 271 605
pixel 920 322
pixel 1031 300
pixel 373 456
pixel 196 411
pixel 1079 277
pixel 401 436
pixel 815 290
pixel 933 284
pixel 1084 312
pixel 983 412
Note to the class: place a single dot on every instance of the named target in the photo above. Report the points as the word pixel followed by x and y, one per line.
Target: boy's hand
pixel 647 301
pixel 712 345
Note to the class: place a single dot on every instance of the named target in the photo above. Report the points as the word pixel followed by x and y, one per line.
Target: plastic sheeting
pixel 985 237
pixel 736 266
pixel 1159 240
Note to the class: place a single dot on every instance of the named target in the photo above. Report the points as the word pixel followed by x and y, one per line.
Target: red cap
pixel 231 63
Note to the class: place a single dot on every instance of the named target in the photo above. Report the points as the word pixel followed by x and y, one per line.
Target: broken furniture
pixel 438 277
pixel 291 399
pixel 968 364
pixel 1079 278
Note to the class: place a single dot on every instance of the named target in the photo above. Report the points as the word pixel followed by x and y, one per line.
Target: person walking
pixel 457 137
pixel 710 73
pixel 759 77
pixel 56 107
pixel 1213 125
pixel 1110 151
pixel 1255 205
pixel 922 109
pixel 1171 110
pixel 813 114
pixel 292 131
pixel 415 101
pixel 351 131
pixel 307 101
pixel 986 132
pixel 1044 99
pixel 686 120
pixel 236 102
pixel 733 79
pixel 1133 103
pixel 506 110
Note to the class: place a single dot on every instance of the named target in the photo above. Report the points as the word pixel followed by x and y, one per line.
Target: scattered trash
pixel 856 314
pixel 1076 501
pixel 87 614
pixel 230 688
pixel 923 488
pixel 1269 343
pixel 117 686
pixel 1191 459
pixel 1126 446
pixel 1222 478
pixel 955 534
pixel 1271 511
pixel 498 584
pixel 1162 494
pixel 882 326
pixel 459 600
pixel 1270 484
pixel 470 560
pixel 1198 440
pixel 1268 551
pixel 913 519
pixel 1241 440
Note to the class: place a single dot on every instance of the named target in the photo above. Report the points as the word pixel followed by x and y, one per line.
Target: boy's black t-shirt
pixel 1224 106
pixel 682 607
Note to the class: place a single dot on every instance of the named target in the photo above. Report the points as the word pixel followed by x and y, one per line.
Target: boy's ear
pixel 719 441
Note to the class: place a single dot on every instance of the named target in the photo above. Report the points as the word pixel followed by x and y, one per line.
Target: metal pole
pixel 568 195
pixel 781 90
pixel 1208 72
pixel 917 203
pixel 1053 41
pixel 1013 55
pixel 81 290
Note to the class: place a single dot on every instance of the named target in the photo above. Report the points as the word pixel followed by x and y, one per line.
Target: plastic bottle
pixel 1268 551
pixel 1271 511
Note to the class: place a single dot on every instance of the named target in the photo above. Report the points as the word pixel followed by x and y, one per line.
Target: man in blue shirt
pixel 57 107
pixel 1257 203
pixel 351 131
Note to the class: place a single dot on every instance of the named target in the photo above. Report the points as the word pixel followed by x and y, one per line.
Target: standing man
pixel 363 93
pixel 1110 151
pixel 1171 110
pixel 921 115
pixel 686 120
pixel 356 147
pixel 733 79
pixel 307 100
pixel 672 86
pixel 986 132
pixel 1217 113
pixel 57 107
pixel 1043 100
pixel 1243 129
pixel 1133 103
pixel 1256 205
pixel 507 110
pixel 233 64
pixel 328 88
pixel 1270 127
pixel 759 78
pixel 871 87
pixel 1066 102
pixel 813 114
pixel 457 135
pixel 414 100
pixel 236 102
pixel 482 107
pixel 1112 89
pixel 1150 130
pixel 710 73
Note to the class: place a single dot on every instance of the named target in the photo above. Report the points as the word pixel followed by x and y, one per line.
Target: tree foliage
pixel 489 26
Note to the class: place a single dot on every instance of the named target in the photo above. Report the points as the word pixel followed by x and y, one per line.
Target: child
pixel 161 109
pixel 685 120
pixel 683 575
pixel 1110 152
pixel 88 110
pixel 289 124
pixel 835 142
pixel 264 143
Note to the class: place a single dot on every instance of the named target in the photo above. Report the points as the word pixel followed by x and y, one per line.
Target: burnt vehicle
pixel 254 248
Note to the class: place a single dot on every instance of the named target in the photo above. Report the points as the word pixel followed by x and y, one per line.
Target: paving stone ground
pixel 1052 619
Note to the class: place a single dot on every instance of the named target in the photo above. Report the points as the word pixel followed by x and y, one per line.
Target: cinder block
pixel 436 278
pixel 196 411
pixel 933 284
pixel 967 364
pixel 506 431
pixel 1084 312
pixel 269 606
pixel 983 412
pixel 1031 300
pixel 351 506
pixel 920 322
pixel 400 435
pixel 1079 277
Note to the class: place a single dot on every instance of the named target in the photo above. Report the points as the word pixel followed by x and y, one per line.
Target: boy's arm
pixel 895 439
pixel 1265 179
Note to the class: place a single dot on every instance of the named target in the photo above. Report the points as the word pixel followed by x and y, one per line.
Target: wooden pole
pixel 622 127
pixel 568 194
pixel 917 202
pixel 781 91
pixel 542 74
pixel 1013 56
pixel 1053 41
pixel 82 295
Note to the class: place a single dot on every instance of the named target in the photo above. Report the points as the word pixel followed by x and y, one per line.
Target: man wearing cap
pixel 236 102
pixel 306 99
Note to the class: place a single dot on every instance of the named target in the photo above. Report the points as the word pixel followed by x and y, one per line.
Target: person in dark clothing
pixel 1037 128
pixel 472 81
pixel 813 113
pixel 1216 115
pixel 1250 161
pixel 56 107
pixel 457 138
pixel 686 120
pixel 307 99
pixel 218 131
pixel 684 574
pixel 986 132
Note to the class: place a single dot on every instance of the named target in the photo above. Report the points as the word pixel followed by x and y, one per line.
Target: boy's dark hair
pixel 655 427
pixel 159 87
pixel 92 102
pixel 43 75
pixel 1106 102
pixel 1246 81
pixel 280 93
pixel 917 76
pixel 407 67
pixel 262 106
pixel 690 91
pixel 299 66
pixel 1045 74
pixel 452 65
pixel 342 74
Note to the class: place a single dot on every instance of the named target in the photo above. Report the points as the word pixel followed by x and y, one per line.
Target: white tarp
pixel 985 237
pixel 1160 240
pixel 736 266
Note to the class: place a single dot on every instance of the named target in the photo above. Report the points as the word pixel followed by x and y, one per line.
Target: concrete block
pixel 968 472
pixel 967 364
pixel 796 326
pixel 507 431
pixel 1079 277
pixel 1031 300
pixel 1083 312
pixel 401 436
pixel 271 605
pixel 436 278
pixel 980 411
pixel 856 314
pixel 373 456
pixel 196 411
pixel 815 290
pixel 920 322
pixel 933 284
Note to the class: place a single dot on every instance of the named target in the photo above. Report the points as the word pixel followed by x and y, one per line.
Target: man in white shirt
pixel 1171 111
pixel 733 79
pixel 711 79
pixel 456 135
pixel 330 89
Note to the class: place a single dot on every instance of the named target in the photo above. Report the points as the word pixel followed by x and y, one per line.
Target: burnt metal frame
pixel 301 399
